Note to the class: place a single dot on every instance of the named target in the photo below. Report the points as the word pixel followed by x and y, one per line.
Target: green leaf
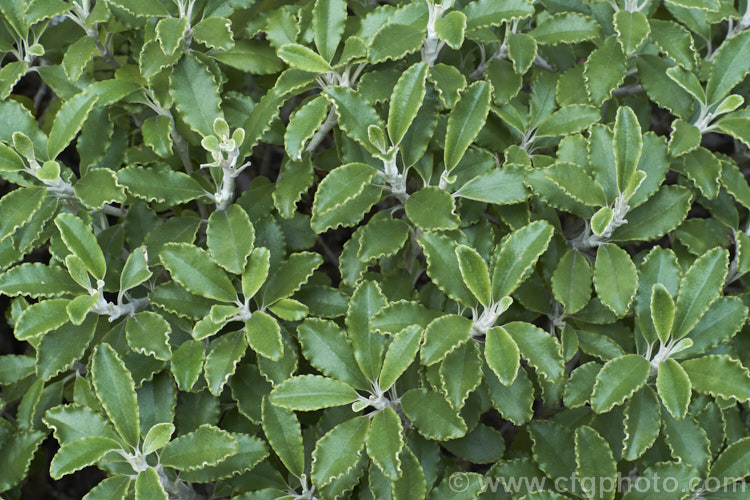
pixel 116 391
pixel 366 300
pixel 284 434
pixel 10 74
pixel 214 32
pixel 136 269
pixel 674 387
pixel 338 451
pixel 291 275
pixel 18 450
pixel 719 375
pixel 522 51
pixel 327 348
pixel 303 124
pixel 18 207
pixel 382 237
pixel 432 209
pixel 141 8
pixel 502 354
pixel 164 186
pixel 605 69
pixel 264 335
pixel 147 333
pixel 207 445
pixel 687 441
pixel 406 99
pixel 195 94
pixel 565 28
pixel 328 22
pixel 451 28
pixel 442 266
pixel 312 392
pixel 230 237
pixel 662 213
pixel 355 114
pixel 594 462
pixel 300 57
pixel 170 32
pixel 221 361
pixel 618 380
pixel 733 463
pixel 460 373
pixel 192 268
pixel 662 312
pixel 40 318
pixel 615 278
pixel 157 437
pixel 541 350
pixel 384 442
pixel 432 415
pixel 253 56
pixel 115 487
pixel 484 13
pixel 475 274
pixel 76 455
pixel 571 282
pixel 396 316
pixel 730 66
pixel 80 240
pixel 443 335
pixel 736 126
pixel 148 486
pixel 569 120
pixel 187 363
pixel 9 160
pixel 37 280
pixel 514 402
pixel 684 138
pixel 700 286
pixel 98 187
pixel 580 384
pixel 632 29
pixel 342 185
pixel 465 122
pixel 628 144
pixel 501 186
pixel 77 56
pixel 401 353
pixel 295 179
pixel 575 182
pixel 68 122
pixel 156 132
pixel 394 41
pixel 642 423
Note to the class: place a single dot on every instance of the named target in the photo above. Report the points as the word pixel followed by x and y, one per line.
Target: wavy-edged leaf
pixel 312 392
pixel 465 122
pixel 193 268
pixel 618 380
pixel 674 387
pixel 338 451
pixel 207 445
pixel 115 390
pixel 195 94
pixel 230 236
pixel 164 186
pixel 432 415
pixel 719 375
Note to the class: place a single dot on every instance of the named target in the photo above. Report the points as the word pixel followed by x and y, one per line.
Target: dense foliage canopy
pixel 327 249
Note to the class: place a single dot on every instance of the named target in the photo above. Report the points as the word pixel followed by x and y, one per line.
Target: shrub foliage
pixel 362 249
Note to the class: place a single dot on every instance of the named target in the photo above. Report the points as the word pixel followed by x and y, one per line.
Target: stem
pixel 322 132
